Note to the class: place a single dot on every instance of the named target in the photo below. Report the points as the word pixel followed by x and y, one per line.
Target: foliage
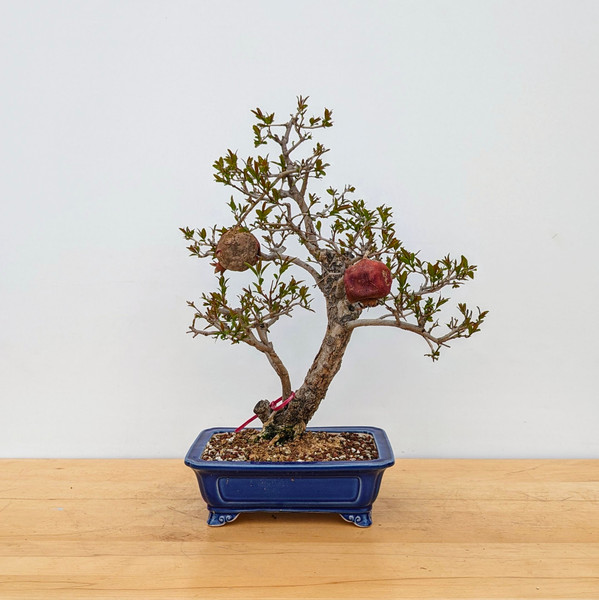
pixel 273 199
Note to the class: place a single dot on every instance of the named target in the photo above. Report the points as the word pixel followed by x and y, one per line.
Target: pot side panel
pixel 301 490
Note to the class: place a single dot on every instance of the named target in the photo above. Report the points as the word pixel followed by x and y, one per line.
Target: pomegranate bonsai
pixel 339 247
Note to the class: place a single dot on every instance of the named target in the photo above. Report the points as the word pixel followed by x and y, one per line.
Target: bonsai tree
pixel 293 241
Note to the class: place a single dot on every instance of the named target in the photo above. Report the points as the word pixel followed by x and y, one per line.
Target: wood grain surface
pixel 105 529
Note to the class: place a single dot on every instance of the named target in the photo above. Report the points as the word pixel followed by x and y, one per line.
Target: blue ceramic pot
pixel 345 487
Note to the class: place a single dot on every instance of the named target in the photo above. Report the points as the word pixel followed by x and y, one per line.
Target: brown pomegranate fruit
pixel 236 250
pixel 367 281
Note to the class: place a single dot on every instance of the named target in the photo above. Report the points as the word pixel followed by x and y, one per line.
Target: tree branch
pixel 309 233
pixel 258 198
pixel 296 261
pixel 386 322
pixel 265 346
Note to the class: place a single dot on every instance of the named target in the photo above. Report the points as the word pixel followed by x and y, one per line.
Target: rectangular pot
pixel 348 488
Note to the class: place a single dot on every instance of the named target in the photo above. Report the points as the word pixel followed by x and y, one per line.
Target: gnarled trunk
pixel 320 375
pixel 292 421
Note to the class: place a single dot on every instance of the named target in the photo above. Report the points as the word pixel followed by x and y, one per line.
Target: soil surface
pixel 311 446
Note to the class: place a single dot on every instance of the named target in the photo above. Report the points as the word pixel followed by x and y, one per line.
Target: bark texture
pixel 292 421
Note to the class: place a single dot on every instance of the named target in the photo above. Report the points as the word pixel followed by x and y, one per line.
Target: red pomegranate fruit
pixel 367 281
pixel 236 250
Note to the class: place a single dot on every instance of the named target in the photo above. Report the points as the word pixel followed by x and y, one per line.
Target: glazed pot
pixel 348 488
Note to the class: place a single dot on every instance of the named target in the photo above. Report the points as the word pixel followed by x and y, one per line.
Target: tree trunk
pixel 292 421
pixel 320 375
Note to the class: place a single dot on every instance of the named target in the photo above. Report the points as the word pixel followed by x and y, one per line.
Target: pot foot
pixel 218 519
pixel 362 519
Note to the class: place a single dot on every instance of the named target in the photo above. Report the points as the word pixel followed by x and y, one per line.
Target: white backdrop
pixel 476 120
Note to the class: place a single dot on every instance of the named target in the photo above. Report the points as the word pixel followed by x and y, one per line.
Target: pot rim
pixel 385 459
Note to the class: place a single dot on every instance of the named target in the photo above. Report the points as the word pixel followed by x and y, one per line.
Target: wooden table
pixel 94 529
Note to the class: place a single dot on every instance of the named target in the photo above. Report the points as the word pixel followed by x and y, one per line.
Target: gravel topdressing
pixel 310 447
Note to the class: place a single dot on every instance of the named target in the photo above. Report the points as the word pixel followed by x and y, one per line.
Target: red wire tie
pixel 274 405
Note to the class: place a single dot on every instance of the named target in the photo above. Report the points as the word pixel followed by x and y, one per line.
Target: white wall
pixel 476 120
